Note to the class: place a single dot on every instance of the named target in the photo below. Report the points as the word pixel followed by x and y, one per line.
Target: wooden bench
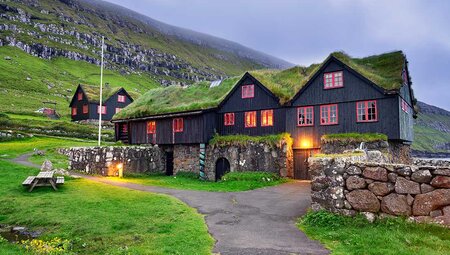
pixel 28 181
pixel 59 180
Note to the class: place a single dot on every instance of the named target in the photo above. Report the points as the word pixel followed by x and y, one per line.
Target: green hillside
pixel 135 43
pixel 432 130
pixel 27 81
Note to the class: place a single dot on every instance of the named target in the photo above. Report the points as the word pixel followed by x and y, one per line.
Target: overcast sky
pixel 304 32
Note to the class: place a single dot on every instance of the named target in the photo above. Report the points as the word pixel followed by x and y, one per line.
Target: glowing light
pixel 120 168
pixel 305 144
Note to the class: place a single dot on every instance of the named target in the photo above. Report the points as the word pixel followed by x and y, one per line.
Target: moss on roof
pixel 198 96
pixel 93 92
pixel 384 70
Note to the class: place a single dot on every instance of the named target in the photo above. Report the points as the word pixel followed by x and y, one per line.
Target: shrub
pixel 354 137
pixel 243 139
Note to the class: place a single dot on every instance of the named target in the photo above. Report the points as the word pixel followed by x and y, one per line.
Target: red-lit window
pixel 250 119
pixel 178 125
pixel 405 106
pixel 103 109
pixel 333 80
pixel 228 119
pixel 366 111
pixel 266 118
pixel 85 108
pixel 329 114
pixel 151 127
pixel 80 96
pixel 118 109
pixel 248 91
pixel 121 99
pixel 124 128
pixel 305 116
pixel 74 111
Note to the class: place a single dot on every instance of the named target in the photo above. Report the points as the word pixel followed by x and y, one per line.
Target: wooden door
pixel 301 164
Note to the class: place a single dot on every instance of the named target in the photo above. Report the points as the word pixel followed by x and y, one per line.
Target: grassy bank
pixel 100 219
pixel 345 235
pixel 230 182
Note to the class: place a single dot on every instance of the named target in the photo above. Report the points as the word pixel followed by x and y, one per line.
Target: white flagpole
pixel 101 95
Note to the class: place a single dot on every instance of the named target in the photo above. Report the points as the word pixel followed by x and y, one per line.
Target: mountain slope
pixel 432 131
pixel 135 43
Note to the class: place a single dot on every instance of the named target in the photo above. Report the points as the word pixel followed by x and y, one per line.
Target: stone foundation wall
pixel 104 160
pixel 186 158
pixel 252 156
pixel 338 147
pixel 348 186
pixel 396 151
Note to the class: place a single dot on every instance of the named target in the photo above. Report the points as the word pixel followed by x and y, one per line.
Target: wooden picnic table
pixel 46 178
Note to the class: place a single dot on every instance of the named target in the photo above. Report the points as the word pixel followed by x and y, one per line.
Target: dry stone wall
pixel 252 156
pixel 104 160
pixel 186 158
pixel 348 186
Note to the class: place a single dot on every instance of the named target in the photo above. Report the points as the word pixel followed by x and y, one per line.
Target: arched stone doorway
pixel 222 167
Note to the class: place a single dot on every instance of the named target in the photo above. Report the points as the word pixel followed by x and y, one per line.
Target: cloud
pixel 305 32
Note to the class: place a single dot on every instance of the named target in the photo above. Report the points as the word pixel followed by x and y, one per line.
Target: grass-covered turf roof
pixel 385 70
pixel 93 92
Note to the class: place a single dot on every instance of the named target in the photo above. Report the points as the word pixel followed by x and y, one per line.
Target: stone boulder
pixel 422 176
pixel 425 188
pixel 404 186
pixel 445 172
pixel 355 182
pixel 425 203
pixel 363 201
pixel 376 173
pixel 353 170
pixel 47 166
pixel 381 188
pixel 441 182
pixel 395 204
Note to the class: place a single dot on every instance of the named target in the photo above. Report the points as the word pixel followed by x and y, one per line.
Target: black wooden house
pixel 340 95
pixel 85 103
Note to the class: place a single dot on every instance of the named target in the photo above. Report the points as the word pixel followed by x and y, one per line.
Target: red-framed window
pixel 124 127
pixel 103 109
pixel 151 127
pixel 85 109
pixel 266 118
pixel 80 96
pixel 333 80
pixel 250 119
pixel 228 119
pixel 178 125
pixel 329 114
pixel 121 99
pixel 305 116
pixel 118 109
pixel 248 91
pixel 405 106
pixel 366 111
pixel 74 111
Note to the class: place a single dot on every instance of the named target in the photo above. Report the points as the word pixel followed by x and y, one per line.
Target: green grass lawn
pixel 231 182
pixel 345 235
pixel 13 149
pixel 100 219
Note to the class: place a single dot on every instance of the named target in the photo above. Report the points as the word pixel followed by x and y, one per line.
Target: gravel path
pixel 258 222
